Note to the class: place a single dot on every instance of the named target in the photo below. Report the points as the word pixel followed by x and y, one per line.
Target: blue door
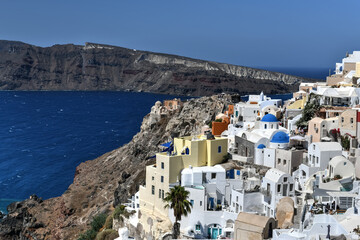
pixel 211 200
pixel 215 233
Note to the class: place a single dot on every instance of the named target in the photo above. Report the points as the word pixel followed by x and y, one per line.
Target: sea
pixel 45 135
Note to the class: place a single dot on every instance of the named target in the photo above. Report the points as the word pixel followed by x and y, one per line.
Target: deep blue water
pixel 315 73
pixel 45 135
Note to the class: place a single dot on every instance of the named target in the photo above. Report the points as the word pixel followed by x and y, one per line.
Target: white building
pixel 210 193
pixel 276 185
pixel 315 228
pixel 318 158
pixel 320 153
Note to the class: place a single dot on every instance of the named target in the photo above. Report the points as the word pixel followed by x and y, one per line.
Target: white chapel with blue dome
pixel 269 121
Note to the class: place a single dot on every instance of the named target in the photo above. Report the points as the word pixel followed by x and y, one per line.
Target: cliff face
pixel 103 67
pixel 110 179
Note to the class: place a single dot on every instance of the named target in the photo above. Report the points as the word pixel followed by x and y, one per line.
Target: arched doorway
pixel 214 230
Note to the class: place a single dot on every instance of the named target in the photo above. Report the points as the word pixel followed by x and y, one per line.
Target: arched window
pixel 187 151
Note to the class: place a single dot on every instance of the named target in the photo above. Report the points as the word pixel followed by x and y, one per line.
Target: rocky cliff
pixel 110 179
pixel 103 67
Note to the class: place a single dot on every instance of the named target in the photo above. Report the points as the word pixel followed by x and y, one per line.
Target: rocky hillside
pixel 110 179
pixel 103 67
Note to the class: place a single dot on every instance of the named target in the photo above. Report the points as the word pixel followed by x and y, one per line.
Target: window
pixel 342 119
pixel 314 146
pixel 213 175
pixel 317 160
pixel 153 190
pixel 162 194
pixel 279 161
pixel 265 126
pixel 162 178
pixel 285 179
pixel 351 120
pixel 284 161
pixel 200 203
pixel 152 178
pixel 237 198
pixel 344 163
pixel 278 187
pixel 162 165
pixel 291 187
pixel 197 227
pixel 159 193
pixel 192 202
pixel 219 149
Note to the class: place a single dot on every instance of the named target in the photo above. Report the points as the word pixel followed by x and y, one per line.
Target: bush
pixel 88 235
pixel 98 222
pixel 337 177
pixel 226 158
pixel 108 222
pixel 120 211
pixel 345 142
pixel 107 234
pixel 311 108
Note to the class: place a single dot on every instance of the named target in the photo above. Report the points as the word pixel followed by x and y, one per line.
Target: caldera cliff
pixel 102 67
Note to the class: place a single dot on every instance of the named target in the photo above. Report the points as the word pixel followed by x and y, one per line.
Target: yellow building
pixel 195 151
pixel 299 104
pixel 357 70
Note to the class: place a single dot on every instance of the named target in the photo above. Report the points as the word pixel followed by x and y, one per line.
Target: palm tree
pixel 177 199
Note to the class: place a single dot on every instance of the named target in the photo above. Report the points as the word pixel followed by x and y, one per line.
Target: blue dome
pixel 261 146
pixel 280 137
pixel 269 118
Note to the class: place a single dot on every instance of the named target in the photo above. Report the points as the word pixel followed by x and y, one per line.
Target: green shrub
pixel 226 158
pixel 107 234
pixel 88 235
pixel 337 177
pixel 311 108
pixel 120 211
pixel 108 222
pixel 98 222
pixel 345 142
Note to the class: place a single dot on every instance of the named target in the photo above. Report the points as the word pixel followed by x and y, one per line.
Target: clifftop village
pixel 265 169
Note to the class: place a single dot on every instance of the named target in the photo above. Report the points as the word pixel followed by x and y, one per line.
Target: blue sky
pixel 257 33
